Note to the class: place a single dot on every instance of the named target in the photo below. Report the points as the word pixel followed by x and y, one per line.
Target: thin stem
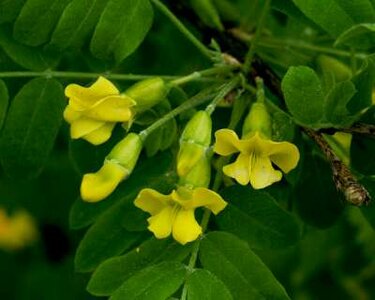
pixel 286 43
pixel 222 93
pixel 198 99
pixel 251 52
pixel 197 43
pixel 81 75
pixel 207 213
pixel 200 74
pixel 128 77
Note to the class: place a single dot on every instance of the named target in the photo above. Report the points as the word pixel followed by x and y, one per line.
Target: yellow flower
pixel 117 166
pixel 174 213
pixel 93 112
pixel 254 163
pixel 16 231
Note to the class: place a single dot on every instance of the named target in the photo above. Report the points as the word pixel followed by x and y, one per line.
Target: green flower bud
pixel 198 129
pixel 258 120
pixel 126 152
pixel 195 140
pixel 206 10
pixel 199 175
pixel 147 93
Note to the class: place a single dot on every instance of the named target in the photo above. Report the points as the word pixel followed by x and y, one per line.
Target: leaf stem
pixel 250 54
pixel 198 99
pixel 129 77
pixel 182 28
pixel 290 43
pixel 222 93
pixel 207 213
pixel 200 74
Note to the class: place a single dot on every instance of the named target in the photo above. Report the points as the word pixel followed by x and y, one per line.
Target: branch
pixel 344 180
pixel 358 128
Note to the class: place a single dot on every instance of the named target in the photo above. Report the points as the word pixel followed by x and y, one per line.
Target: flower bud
pixel 199 175
pixel 198 129
pixel 117 166
pixel 195 140
pixel 258 120
pixel 147 93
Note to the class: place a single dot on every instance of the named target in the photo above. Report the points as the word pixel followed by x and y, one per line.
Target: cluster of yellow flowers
pixel 94 111
pixel 16 231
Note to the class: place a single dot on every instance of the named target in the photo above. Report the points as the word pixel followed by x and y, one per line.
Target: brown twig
pixel 357 128
pixel 344 180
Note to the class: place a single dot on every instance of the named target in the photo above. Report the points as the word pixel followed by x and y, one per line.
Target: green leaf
pixel 27 57
pixel 76 23
pixel 155 282
pixel 31 127
pixel 106 238
pixel 360 11
pixel 202 284
pixel 4 102
pixel 153 173
pixel 122 27
pixel 290 9
pixel 255 217
pixel 283 127
pixel 9 9
pixel 112 273
pixel 317 200
pixel 303 95
pixel 336 16
pixel 336 112
pixel 36 21
pixel 361 36
pixel 363 81
pixel 240 269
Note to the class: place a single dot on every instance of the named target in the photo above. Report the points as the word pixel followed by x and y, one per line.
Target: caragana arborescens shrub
pixel 213 149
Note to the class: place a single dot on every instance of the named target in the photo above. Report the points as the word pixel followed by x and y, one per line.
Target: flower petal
pixel 87 96
pixel 207 198
pixel 188 157
pixel 99 185
pixel 185 227
pixel 71 115
pixel 100 135
pixel 285 155
pixel 84 126
pixel 262 174
pixel 111 109
pixel 151 201
pixel 226 142
pixel 161 223
pixel 239 170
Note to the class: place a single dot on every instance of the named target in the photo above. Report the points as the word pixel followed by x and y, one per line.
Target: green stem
pixel 197 43
pixel 199 74
pixel 222 93
pixel 198 99
pixel 289 43
pixel 207 213
pixel 250 54
pixel 129 77
pixel 194 252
